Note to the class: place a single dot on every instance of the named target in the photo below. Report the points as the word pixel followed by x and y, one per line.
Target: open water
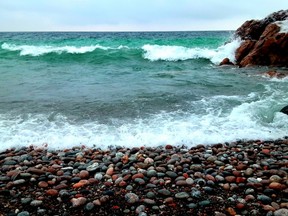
pixel 132 89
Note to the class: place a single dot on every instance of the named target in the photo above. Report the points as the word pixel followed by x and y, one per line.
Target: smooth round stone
pixel 131 198
pixel 139 181
pixel 43 184
pixel 160 174
pixel 164 192
pixel 19 181
pixel 249 191
pixel 140 209
pixel 9 162
pixel 200 181
pixel 219 178
pixel 89 206
pixel 211 158
pixel 219 163
pixel 64 193
pixel 78 201
pixel 67 168
pixel 192 205
pixel 52 192
pixel 149 201
pixel 4 178
pixel 181 183
pixel 275 178
pixel 208 190
pixel 204 203
pixel 36 203
pixel 98 176
pixel 151 173
pixel 171 174
pixel 281 212
pixel 253 180
pixel 129 188
pixel 149 185
pixel 181 195
pixel 25 175
pixel 148 161
pixel 26 200
pixel 264 199
pixel 195 193
pixel 23 213
pixel 189 181
pixel 41 211
pixel 150 194
pixel 84 174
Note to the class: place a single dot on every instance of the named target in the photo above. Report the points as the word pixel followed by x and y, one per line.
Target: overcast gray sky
pixel 131 15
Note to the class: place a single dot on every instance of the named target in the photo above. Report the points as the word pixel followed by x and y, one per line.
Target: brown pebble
pixel 168 200
pixel 181 183
pixel 110 171
pixel 84 174
pixel 268 208
pixel 231 211
pixel 230 179
pixel 60 186
pixel 137 175
pixel 210 177
pixel 52 192
pixel 78 201
pixel 97 202
pixel 226 186
pixel 43 184
pixel 168 147
pixel 276 186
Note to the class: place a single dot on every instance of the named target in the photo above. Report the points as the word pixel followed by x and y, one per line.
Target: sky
pixel 132 15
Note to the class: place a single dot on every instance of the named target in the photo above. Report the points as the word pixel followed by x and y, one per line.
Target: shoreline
pixel 237 178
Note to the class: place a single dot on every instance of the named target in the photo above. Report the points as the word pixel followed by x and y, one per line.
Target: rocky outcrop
pixel 264 42
pixel 284 110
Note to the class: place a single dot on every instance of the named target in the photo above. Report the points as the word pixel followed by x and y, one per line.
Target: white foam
pixel 253 119
pixel 176 53
pixel 42 50
pixel 283 26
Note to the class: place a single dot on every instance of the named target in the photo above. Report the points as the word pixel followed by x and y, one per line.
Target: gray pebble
pixel 181 195
pixel 36 203
pixel 23 213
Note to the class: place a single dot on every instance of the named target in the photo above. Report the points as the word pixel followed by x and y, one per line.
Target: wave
pixel 252 117
pixel 147 51
pixel 32 50
pixel 176 53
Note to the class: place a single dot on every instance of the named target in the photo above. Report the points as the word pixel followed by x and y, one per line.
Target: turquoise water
pixel 132 89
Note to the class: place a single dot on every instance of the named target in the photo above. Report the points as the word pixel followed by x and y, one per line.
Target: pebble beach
pixel 237 178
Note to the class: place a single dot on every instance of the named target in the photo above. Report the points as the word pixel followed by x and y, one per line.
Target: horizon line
pixel 110 31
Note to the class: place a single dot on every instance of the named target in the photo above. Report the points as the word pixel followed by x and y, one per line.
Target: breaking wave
pixel 147 51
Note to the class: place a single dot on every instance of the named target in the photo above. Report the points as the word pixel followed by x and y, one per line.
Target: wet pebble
pixel 181 195
pixel 76 202
pixel 264 199
pixel 36 203
pixel 131 198
pixel 23 213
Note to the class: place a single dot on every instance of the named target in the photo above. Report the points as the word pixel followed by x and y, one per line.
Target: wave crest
pixel 33 50
pixel 177 53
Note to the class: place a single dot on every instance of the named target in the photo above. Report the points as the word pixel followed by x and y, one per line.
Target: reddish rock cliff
pixel 264 42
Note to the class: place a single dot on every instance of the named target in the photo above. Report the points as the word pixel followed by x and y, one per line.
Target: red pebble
pixel 186 175
pixel 52 192
pixel 240 179
pixel 42 184
pixel 138 175
pixel 168 147
pixel 84 174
